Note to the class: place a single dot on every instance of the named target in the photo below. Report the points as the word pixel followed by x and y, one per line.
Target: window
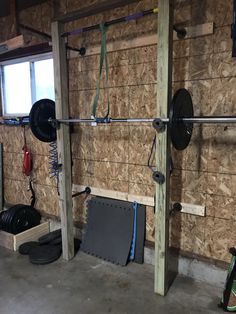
pixel 24 81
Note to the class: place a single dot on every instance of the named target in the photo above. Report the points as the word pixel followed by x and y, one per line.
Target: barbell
pixel 180 122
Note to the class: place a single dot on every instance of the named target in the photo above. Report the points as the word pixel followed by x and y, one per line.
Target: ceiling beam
pixel 93 9
pixel 24 4
pixel 25 51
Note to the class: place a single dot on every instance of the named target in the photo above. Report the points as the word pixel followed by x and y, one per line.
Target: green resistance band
pixel 103 58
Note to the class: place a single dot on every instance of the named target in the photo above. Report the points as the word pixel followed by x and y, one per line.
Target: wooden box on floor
pixel 12 242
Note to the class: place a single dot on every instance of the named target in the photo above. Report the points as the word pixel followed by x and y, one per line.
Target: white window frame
pixel 31 60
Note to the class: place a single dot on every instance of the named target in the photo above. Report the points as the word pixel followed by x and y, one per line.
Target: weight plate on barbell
pixel 40 112
pixel 181 107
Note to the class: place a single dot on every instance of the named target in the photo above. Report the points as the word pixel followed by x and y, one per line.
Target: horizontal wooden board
pixel 6 240
pixel 149 201
pixel 14 43
pixel 147 40
pixel 12 242
pixel 30 235
pixel 192 209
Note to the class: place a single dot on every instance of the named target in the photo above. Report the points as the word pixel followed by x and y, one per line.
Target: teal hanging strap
pixel 103 58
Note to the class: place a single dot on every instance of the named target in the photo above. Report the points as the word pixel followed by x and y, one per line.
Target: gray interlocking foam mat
pixel 140 227
pixel 109 230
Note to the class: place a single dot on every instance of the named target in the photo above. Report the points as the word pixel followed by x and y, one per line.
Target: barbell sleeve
pixel 209 120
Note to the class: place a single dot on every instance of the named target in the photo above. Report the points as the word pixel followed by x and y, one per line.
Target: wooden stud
pixel 164 87
pixel 1 176
pixel 63 139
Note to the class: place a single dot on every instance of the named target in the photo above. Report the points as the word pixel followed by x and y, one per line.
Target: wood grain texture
pixel 1 178
pixel 164 90
pixel 6 240
pixel 115 158
pixel 93 9
pixel 32 234
pixel 63 140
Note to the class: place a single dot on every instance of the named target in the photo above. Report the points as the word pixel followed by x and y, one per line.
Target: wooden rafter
pixel 94 9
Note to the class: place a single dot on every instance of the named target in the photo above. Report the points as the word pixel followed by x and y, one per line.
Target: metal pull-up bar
pixel 180 32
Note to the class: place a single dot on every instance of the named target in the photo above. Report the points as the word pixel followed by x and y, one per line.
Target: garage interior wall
pixel 114 157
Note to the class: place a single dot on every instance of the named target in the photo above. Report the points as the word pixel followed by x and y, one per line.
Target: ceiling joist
pixel 93 9
pixel 11 44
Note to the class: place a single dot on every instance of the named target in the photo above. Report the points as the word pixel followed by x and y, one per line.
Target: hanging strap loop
pixel 103 59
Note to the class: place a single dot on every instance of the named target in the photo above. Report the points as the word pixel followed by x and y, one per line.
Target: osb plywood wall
pixel 205 172
pixel 15 184
pixel 115 157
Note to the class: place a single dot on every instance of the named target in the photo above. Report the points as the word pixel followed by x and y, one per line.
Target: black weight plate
pixel 44 254
pixel 19 218
pixel 40 112
pixel 12 213
pixel 25 218
pixel 51 236
pixel 57 241
pixel 7 217
pixel 26 247
pixel 181 107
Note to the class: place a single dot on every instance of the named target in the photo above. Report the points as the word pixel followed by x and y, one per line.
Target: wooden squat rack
pixel 164 87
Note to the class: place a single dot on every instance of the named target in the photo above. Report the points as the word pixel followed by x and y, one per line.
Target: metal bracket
pixel 181 33
pixel 175 208
pixel 159 125
pixel 158 177
pixel 87 191
pixel 54 123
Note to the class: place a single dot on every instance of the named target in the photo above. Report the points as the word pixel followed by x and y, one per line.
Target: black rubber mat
pixel 44 254
pixel 140 227
pixel 109 230
pixel 26 247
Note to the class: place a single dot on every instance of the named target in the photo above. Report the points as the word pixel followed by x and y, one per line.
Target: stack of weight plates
pixel 19 218
pixel 46 250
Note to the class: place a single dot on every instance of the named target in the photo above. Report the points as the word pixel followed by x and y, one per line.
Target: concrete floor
pixel 89 285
